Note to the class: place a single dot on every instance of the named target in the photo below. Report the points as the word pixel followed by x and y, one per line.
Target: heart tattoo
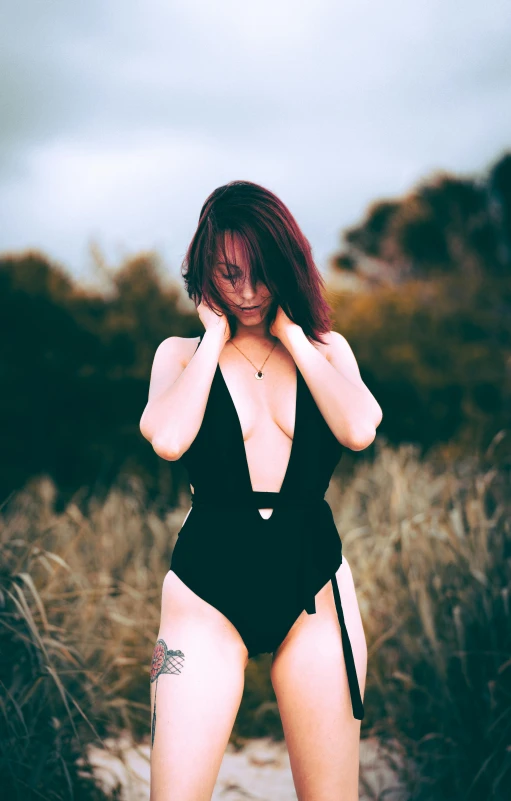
pixel 164 661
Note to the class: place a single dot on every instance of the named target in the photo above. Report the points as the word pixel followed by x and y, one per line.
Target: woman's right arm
pixel 179 391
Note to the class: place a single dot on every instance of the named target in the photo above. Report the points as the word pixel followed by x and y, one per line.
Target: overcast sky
pixel 119 117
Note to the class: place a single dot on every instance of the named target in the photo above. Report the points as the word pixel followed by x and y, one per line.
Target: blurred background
pixel 386 129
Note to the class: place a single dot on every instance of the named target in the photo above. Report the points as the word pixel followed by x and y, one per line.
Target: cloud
pixel 119 118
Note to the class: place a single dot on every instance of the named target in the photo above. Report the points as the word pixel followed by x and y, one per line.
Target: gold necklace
pixel 259 374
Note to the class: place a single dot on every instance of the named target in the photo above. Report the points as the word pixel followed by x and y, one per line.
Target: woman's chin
pixel 252 318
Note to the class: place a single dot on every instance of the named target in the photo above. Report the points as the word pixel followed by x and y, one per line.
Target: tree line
pixel 421 288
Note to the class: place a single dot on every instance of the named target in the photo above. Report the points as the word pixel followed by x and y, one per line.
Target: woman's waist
pixel 299 534
pixel 258 499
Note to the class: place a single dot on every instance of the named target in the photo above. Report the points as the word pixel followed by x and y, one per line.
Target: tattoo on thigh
pixel 164 661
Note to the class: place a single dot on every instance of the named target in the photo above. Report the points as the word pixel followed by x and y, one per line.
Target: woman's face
pixel 236 289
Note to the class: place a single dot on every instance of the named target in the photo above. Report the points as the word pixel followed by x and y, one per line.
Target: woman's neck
pixel 245 333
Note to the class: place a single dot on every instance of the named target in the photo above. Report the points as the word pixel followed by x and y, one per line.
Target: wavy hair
pixel 274 247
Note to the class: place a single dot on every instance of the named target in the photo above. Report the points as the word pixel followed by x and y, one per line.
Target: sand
pixel 260 771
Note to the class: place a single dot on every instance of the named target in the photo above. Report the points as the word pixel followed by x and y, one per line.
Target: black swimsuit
pixel 262 573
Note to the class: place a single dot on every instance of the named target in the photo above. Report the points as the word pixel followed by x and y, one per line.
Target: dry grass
pixel 429 546
pixel 79 607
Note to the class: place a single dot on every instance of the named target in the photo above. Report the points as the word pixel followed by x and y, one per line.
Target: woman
pixel 257 567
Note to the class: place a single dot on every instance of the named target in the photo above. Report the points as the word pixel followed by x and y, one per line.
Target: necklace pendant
pixel 259 374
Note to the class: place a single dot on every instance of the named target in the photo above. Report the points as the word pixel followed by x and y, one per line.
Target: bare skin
pixel 196 709
pixel 197 706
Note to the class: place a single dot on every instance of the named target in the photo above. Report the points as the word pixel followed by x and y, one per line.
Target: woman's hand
pixel 282 324
pixel 214 320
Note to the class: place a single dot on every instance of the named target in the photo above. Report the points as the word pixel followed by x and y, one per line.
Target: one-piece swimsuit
pixel 261 573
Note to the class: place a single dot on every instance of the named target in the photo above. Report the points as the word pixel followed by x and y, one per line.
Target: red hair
pixel 274 247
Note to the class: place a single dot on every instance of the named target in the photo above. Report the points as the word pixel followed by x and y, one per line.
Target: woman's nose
pixel 248 291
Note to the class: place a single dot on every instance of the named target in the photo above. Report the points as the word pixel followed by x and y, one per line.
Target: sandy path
pixel 258 772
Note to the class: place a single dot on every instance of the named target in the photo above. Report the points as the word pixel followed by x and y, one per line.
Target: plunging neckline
pixel 242 439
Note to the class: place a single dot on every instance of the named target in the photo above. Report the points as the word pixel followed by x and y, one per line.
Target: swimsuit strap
pixel 356 698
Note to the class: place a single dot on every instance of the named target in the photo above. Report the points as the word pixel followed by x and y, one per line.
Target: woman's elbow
pixel 146 429
pixel 361 438
pixel 166 449
pixel 163 445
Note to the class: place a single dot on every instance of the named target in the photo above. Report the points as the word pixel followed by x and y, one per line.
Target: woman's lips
pixel 247 310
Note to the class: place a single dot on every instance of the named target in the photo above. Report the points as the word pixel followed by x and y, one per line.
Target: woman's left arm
pixel 349 408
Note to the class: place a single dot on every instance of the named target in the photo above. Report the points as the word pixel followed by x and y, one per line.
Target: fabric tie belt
pixel 268 500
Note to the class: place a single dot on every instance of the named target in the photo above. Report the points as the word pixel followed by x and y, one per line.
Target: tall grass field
pixel 429 544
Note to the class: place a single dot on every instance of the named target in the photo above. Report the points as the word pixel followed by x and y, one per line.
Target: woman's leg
pixel 311 684
pixel 197 681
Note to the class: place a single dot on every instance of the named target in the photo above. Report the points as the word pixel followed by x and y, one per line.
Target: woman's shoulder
pixel 329 344
pixel 339 353
pixel 178 348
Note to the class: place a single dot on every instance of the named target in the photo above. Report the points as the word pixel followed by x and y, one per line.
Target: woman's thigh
pixel 197 681
pixel 311 684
